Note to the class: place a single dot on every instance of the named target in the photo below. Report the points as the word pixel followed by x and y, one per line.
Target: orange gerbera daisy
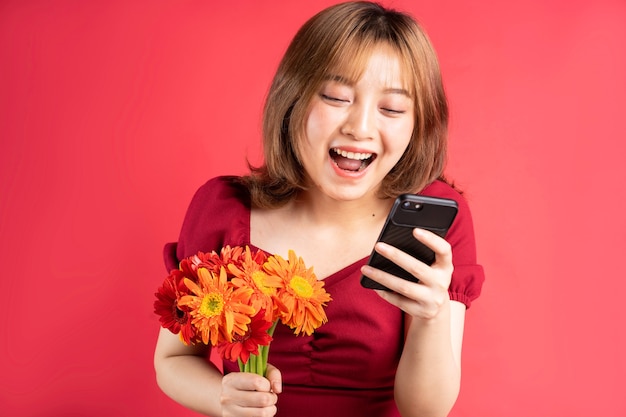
pixel 303 296
pixel 249 273
pixel 218 310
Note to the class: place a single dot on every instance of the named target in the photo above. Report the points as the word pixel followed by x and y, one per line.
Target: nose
pixel 359 122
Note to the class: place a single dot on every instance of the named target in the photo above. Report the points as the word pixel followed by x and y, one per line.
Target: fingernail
pixel 382 246
pixel 277 387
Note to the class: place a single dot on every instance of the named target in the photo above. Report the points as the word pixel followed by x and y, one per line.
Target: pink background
pixel 113 113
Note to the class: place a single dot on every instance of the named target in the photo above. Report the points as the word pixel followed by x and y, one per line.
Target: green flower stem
pixel 258 363
pixel 265 350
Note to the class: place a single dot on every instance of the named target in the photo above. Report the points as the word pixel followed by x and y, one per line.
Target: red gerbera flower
pixel 214 261
pixel 173 316
pixel 190 266
pixel 242 346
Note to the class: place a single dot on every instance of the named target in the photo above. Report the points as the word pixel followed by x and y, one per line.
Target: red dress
pixel 347 367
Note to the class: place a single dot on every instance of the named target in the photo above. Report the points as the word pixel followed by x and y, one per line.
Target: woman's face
pixel 356 132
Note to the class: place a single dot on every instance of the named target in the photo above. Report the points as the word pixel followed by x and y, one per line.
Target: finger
pixel 417 300
pixel 276 380
pixel 426 308
pixel 246 381
pixel 398 285
pixel 442 249
pixel 412 265
pixel 241 396
pixel 408 305
pixel 427 274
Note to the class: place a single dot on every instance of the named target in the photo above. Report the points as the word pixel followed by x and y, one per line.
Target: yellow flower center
pixel 259 279
pixel 301 287
pixel 212 305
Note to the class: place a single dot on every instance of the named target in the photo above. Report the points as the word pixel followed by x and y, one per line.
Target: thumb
pixel 275 378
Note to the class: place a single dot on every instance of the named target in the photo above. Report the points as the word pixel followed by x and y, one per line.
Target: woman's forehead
pixel 382 57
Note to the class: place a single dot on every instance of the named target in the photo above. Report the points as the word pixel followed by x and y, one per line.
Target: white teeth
pixel 352 155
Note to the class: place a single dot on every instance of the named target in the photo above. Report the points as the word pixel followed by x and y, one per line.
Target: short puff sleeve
pixel 468 275
pixel 217 216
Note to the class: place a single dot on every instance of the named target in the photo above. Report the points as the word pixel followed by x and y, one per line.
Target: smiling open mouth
pixel 351 161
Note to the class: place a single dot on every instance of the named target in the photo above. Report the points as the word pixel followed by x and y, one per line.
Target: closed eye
pixel 335 99
pixel 392 111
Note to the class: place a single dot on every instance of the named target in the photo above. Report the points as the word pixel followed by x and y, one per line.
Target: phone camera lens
pixel 406 205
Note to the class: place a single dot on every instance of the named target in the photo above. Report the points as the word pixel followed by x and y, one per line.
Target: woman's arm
pixel 429 372
pixel 428 378
pixel 185 375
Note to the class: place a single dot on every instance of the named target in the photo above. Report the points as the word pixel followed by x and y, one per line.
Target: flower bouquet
pixel 233 301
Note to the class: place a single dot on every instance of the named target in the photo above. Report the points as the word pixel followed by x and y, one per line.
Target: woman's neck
pixel 322 210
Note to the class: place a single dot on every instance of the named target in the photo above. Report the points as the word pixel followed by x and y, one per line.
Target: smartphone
pixel 411 211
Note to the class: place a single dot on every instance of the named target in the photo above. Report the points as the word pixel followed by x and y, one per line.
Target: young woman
pixel 355 116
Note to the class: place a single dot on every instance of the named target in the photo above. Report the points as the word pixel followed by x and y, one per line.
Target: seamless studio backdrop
pixel 113 113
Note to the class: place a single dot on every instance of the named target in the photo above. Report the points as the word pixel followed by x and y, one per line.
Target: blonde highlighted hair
pixel 340 39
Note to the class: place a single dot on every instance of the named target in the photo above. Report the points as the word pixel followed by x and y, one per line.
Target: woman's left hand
pixel 424 299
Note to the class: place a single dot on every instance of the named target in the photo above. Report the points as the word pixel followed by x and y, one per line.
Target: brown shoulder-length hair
pixel 339 40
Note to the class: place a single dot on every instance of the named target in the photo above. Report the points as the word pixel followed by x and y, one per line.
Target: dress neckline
pixel 336 276
pixel 329 280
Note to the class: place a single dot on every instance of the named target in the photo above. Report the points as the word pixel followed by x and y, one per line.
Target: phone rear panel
pixel 408 212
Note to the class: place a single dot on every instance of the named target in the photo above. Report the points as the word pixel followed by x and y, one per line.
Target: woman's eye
pixel 335 99
pixel 393 111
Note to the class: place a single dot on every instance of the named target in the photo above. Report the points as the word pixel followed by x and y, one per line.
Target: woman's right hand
pixel 185 375
pixel 247 394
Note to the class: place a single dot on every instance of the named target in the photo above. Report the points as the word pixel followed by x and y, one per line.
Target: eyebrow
pixel 397 91
pixel 343 80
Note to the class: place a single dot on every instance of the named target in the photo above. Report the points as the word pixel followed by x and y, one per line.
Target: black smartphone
pixel 408 212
